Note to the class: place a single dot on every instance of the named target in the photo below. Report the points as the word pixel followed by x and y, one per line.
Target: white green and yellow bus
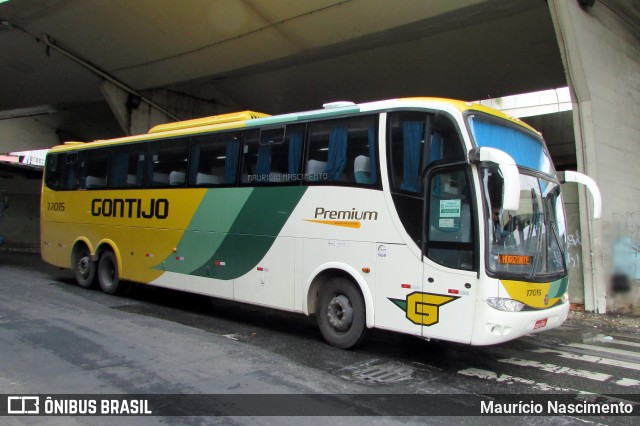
pixel 432 217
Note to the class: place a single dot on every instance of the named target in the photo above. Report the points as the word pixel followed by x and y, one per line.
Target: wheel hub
pixel 84 266
pixel 340 313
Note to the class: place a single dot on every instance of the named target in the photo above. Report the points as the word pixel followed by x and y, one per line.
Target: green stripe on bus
pixel 209 225
pixel 257 219
pixel 559 287
pixel 253 232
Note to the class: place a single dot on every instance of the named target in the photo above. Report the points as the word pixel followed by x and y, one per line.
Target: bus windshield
pixel 530 242
pixel 526 149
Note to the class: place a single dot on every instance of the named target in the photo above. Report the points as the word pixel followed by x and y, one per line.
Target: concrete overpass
pixel 85 70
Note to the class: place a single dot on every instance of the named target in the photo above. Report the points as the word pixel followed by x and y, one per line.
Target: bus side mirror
pixel 592 186
pixel 508 170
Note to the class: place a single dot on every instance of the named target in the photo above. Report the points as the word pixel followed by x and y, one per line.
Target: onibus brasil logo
pixel 423 308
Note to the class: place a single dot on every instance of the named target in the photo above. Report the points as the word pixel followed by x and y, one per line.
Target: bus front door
pixel 447 303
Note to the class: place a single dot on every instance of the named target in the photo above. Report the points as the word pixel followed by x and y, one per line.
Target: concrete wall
pixel 20 225
pixel 601 54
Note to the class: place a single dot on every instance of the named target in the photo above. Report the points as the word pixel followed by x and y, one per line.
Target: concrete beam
pixel 136 116
pixel 18 134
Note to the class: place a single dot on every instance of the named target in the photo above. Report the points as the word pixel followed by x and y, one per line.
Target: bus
pixel 432 217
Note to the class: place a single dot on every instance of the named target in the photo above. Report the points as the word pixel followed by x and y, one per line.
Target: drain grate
pixel 382 373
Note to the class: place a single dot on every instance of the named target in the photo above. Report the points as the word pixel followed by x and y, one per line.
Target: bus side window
pixel 167 163
pixel 214 159
pixel 53 171
pixel 269 166
pixel 343 151
pixel 406 140
pixel 405 132
pixel 127 166
pixel 71 172
pixel 418 140
pixel 444 141
pixel 291 155
pixel 273 156
pixel 362 152
pixel 251 139
pixel 94 166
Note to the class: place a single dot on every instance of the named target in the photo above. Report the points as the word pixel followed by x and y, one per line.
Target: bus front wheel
pixel 108 273
pixel 341 313
pixel 84 268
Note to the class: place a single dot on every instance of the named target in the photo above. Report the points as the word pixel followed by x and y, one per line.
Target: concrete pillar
pixel 117 100
pixel 601 55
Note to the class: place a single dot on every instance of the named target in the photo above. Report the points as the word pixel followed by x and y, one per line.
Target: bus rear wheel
pixel 341 313
pixel 108 273
pixel 84 268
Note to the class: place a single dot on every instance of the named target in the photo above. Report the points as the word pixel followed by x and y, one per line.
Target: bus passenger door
pixel 447 304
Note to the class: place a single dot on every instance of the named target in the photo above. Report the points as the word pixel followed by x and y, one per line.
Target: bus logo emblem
pixel 423 308
pixel 347 218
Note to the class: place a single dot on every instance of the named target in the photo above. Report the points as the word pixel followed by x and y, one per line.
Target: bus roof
pixel 249 119
pixel 207 121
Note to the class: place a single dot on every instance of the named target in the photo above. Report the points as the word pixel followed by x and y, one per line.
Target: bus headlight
pixel 503 304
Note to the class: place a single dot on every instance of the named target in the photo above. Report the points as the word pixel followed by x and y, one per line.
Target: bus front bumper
pixel 493 326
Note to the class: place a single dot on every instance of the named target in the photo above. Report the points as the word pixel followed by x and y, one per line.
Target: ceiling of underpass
pixel 267 55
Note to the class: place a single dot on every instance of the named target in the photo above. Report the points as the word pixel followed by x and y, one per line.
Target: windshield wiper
pixel 537 217
pixel 557 238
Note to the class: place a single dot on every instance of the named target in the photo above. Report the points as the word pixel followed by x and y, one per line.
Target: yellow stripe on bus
pixel 346 223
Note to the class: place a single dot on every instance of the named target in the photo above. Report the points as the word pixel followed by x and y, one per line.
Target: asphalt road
pixel 56 338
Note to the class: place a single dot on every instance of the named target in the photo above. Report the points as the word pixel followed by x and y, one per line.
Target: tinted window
pixel 70 172
pixel 168 162
pixel 416 140
pixel 273 156
pixel 214 159
pixel 64 171
pixel 53 171
pixel 93 167
pixel 343 151
pixel 127 166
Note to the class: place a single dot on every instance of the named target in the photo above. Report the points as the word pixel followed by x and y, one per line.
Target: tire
pixel 84 268
pixel 341 313
pixel 108 273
